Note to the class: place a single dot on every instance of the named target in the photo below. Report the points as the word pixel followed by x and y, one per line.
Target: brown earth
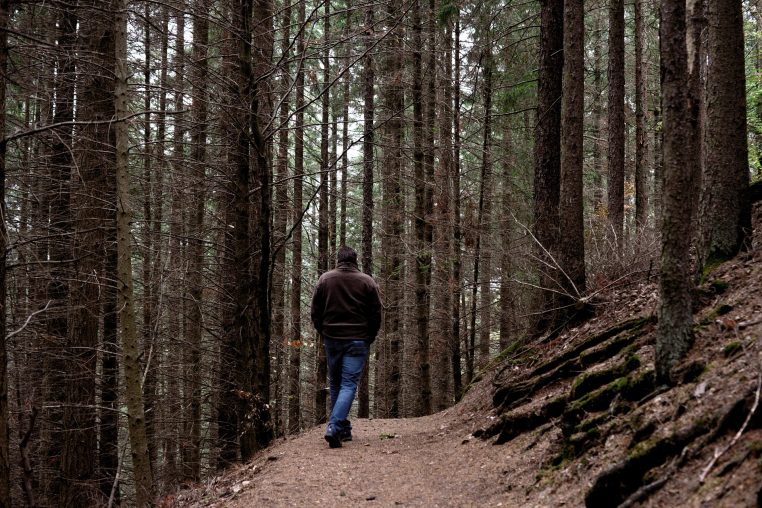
pixel 436 461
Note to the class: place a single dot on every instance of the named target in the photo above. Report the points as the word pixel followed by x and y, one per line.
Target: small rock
pixel 245 483
pixel 700 389
pixel 237 489
pixel 370 498
pixel 272 458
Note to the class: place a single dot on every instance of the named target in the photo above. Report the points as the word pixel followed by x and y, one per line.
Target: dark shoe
pixel 333 437
pixel 345 434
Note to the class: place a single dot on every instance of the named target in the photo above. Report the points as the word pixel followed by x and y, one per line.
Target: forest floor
pixel 572 436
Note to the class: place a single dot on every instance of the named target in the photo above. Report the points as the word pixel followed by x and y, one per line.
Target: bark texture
pixel 572 238
pixel 547 152
pixel 616 125
pixel 144 486
pixel 675 317
pixel 725 209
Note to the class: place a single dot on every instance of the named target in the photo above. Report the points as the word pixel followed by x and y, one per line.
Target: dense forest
pixel 176 175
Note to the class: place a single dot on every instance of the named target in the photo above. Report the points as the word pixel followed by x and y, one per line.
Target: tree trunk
pixel 421 387
pixel 234 274
pixel 675 317
pixel 572 237
pixel 60 249
pixel 152 212
pixel 547 152
pixel 94 152
pixel 368 79
pixel 442 289
pixel 345 135
pixel 191 442
pixel 256 432
pixel 616 125
pixel 5 470
pixel 388 375
pixel 457 384
pixel 483 248
pixel 641 110
pixel 175 288
pixel 280 222
pixel 333 181
pixel 294 392
pixel 696 53
pixel 658 167
pixel 110 352
pixel 599 122
pixel 725 208
pixel 321 369
pixel 130 342
pixel 507 298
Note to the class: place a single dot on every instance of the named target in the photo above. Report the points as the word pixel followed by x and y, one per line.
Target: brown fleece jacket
pixel 346 304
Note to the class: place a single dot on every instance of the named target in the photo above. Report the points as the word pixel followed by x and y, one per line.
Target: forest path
pixel 427 461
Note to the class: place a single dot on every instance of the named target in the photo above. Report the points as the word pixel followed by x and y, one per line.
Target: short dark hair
pixel 346 255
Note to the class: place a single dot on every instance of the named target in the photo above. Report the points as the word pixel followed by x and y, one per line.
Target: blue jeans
pixel 346 360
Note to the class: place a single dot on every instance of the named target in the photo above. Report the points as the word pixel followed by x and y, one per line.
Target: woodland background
pixel 177 174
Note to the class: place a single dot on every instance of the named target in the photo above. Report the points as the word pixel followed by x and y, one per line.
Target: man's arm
pixel 316 308
pixel 374 312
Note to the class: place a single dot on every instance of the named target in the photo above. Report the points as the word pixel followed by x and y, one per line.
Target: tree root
pixel 616 484
pixel 511 425
pixel 569 364
pixel 624 481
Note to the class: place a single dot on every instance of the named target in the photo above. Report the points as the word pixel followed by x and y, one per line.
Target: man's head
pixel 346 255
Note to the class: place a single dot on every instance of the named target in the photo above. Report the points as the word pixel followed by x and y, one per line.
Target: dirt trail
pixel 428 461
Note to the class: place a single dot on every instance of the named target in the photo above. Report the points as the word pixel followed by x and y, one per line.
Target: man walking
pixel 346 311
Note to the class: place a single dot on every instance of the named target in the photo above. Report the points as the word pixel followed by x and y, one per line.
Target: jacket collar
pixel 346 265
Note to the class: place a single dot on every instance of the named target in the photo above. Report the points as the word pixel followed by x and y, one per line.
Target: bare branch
pixel 720 452
pixel 28 319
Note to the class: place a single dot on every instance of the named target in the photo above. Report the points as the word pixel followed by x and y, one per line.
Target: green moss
pixel 513 348
pixel 620 384
pixel 592 380
pixel 719 286
pixel 566 455
pixel 592 434
pixel 711 265
pixel 631 388
pixel 575 445
pixel 512 424
pixel 630 350
pixel 592 423
pixel 731 349
pixel 720 310
pixel 623 341
pixel 588 351
pixel 641 449
pixel 650 476
pixel 600 399
pixel 640 386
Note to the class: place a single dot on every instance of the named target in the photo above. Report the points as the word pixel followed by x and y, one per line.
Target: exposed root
pixel 569 364
pixel 615 485
pixel 624 481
